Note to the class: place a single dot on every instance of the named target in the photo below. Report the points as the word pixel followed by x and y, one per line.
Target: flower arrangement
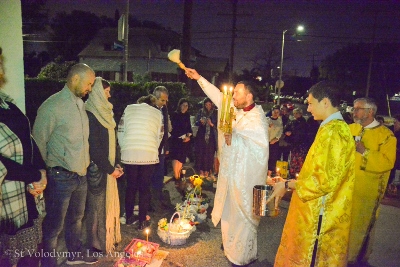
pixel 163 224
pixel 200 182
pixel 177 225
pixel 194 208
pixel 176 231
pixel 196 180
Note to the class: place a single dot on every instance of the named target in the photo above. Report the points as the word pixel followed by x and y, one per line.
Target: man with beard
pixel 61 131
pixel 244 164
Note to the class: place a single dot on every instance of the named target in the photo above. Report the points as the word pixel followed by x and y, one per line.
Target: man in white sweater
pixel 139 138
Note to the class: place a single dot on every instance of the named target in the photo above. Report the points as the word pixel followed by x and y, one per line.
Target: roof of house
pixel 142 42
pixel 147 47
pixel 139 65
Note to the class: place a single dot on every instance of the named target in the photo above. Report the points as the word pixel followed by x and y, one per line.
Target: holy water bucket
pixel 260 195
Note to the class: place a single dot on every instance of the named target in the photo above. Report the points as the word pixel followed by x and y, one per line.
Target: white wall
pixel 11 43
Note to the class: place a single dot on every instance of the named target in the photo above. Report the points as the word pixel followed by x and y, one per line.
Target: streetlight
pixel 279 83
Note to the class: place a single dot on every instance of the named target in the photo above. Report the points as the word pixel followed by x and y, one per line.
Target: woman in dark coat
pixel 206 138
pixel 180 137
pixel 22 179
pixel 296 135
pixel 102 203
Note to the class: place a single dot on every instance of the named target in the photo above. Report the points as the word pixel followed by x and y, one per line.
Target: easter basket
pixel 141 250
pixel 175 233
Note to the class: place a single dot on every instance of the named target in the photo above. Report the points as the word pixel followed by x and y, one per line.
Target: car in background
pixel 289 105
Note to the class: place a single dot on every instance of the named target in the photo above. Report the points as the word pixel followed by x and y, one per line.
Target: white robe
pixel 244 164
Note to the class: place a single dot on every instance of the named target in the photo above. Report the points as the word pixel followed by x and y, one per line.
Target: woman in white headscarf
pixel 102 205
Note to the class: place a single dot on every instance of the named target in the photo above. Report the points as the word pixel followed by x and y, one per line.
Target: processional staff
pixel 227 112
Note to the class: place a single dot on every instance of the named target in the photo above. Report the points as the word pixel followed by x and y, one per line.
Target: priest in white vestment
pixel 244 164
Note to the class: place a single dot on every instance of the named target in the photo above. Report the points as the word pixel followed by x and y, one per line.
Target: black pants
pixel 138 178
pixel 314 255
pixel 284 151
pixel 274 155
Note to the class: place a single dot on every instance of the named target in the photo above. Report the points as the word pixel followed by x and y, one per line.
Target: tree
pixel 56 70
pixel 349 67
pixel 266 61
pixel 314 74
pixel 255 76
pixel 264 66
pixel 72 32
pixel 34 22
pixel 108 22
pixel 34 15
pixel 297 85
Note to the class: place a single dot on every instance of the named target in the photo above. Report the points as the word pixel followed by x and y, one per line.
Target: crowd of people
pixel 76 152
pixel 289 138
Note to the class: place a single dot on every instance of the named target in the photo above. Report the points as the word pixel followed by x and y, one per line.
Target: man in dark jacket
pixel 158 203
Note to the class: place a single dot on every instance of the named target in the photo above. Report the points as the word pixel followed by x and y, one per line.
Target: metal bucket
pixel 260 195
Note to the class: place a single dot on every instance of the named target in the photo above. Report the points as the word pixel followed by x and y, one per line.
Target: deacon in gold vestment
pixel 375 157
pixel 316 231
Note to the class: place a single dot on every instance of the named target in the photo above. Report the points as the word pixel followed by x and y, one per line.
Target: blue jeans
pixel 274 155
pixel 65 198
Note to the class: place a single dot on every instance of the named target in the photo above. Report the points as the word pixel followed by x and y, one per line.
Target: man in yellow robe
pixel 316 231
pixel 375 157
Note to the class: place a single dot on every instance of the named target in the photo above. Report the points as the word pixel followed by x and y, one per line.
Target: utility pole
pixel 126 54
pixel 231 58
pixel 314 73
pixel 234 16
pixel 371 56
pixel 313 59
pixel 186 40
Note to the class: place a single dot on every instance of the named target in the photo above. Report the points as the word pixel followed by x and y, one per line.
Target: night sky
pixel 329 25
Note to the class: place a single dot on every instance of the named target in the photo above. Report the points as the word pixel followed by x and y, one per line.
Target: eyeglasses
pixel 358 109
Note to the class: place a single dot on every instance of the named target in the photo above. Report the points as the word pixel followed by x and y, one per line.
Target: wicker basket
pixel 173 238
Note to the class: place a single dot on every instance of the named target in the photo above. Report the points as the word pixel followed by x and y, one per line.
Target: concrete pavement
pixel 203 246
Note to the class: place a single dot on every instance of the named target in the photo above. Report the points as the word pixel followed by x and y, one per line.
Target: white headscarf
pixel 99 105
pixel 102 109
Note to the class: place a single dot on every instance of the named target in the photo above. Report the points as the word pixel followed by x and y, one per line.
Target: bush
pixel 176 91
pixel 122 94
pixel 55 71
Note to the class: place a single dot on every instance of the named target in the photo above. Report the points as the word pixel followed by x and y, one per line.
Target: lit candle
pixel 277 171
pixel 223 108
pixel 147 235
pixel 228 106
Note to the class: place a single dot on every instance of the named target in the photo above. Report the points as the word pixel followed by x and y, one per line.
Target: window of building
pixel 164 77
